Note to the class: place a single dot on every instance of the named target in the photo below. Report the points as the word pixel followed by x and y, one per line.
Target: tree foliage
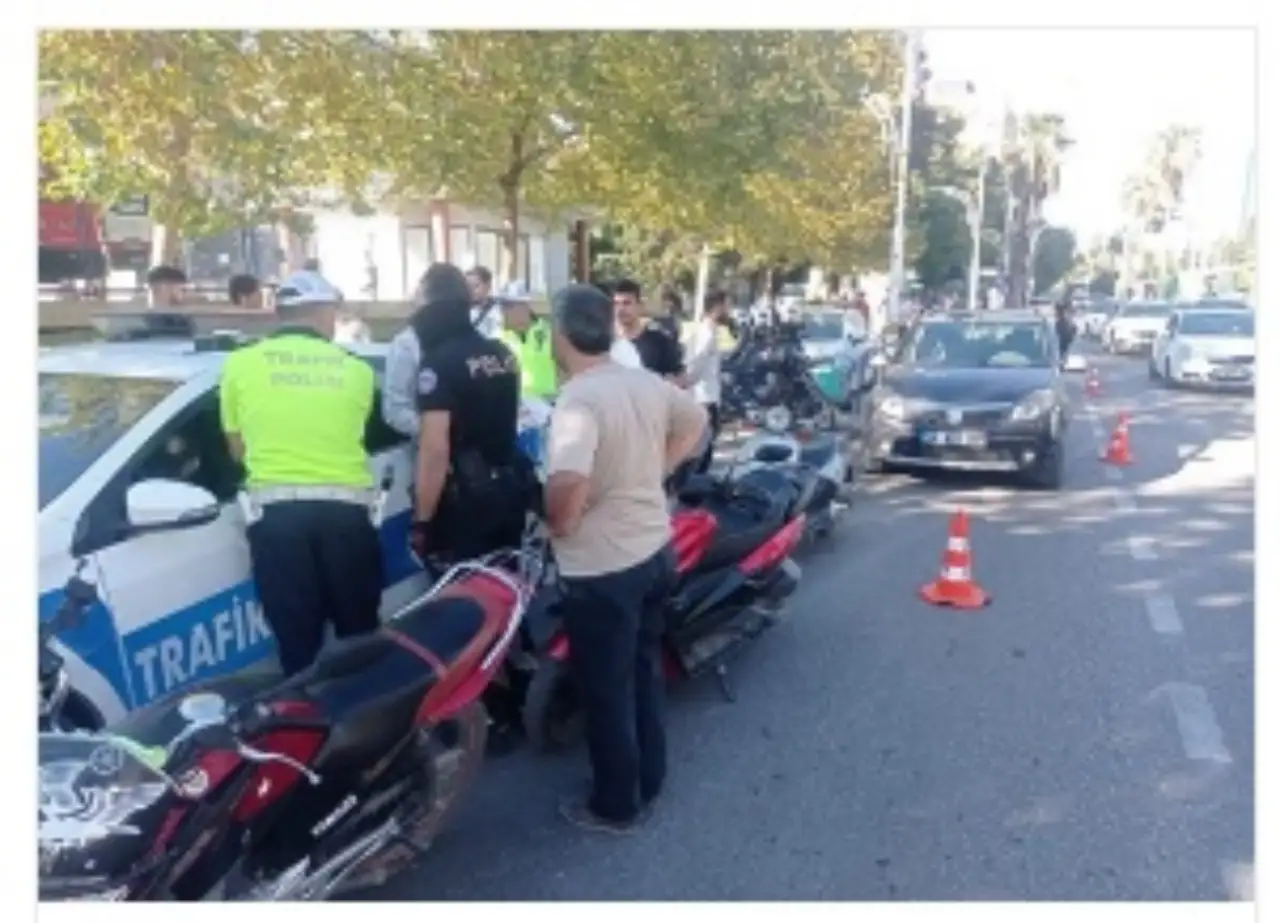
pixel 1055 258
pixel 218 128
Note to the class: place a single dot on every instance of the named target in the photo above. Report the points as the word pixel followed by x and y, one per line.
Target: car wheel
pixel 1050 471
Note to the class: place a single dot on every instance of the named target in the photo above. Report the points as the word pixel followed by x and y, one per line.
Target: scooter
pixel 733 540
pixel 252 788
pixel 800 451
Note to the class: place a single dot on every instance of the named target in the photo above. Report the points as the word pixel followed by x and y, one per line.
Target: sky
pixel 1116 88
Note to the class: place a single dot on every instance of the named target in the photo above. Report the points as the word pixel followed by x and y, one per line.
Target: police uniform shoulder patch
pixel 427 381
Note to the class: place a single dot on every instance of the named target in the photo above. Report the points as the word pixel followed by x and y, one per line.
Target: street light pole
pixel 975 230
pixel 897 253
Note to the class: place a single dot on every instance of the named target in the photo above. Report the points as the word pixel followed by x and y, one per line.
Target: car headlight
pixel 1190 360
pixel 892 407
pixel 1034 406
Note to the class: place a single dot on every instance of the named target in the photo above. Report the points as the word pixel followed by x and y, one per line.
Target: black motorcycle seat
pixel 372 687
pixel 747 513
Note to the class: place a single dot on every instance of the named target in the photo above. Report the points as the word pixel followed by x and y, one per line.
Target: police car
pixel 136 481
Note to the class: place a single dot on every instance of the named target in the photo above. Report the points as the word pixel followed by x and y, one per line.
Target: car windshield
pixel 980 345
pixel 1217 323
pixel 827 326
pixel 1146 310
pixel 81 417
pixel 1222 305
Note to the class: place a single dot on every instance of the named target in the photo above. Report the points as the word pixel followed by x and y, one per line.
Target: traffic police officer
pixel 294 407
pixel 529 337
pixel 472 487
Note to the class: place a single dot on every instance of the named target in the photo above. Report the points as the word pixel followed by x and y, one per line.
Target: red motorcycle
pixel 257 789
pixel 733 540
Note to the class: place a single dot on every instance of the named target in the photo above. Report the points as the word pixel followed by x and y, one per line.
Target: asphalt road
pixel 1089 736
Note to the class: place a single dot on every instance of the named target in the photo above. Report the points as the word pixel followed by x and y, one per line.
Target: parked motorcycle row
pixel 252 788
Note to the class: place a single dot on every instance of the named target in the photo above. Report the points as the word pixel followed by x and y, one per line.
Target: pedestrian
pixel 244 291
pixel 166 287
pixel 472 487
pixel 659 352
pixel 702 352
pixel 529 338
pixel 615 434
pixel 672 317
pixel 294 407
pixel 486 313
pixel 400 380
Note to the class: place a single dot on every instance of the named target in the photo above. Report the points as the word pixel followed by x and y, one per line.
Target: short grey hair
pixel 584 314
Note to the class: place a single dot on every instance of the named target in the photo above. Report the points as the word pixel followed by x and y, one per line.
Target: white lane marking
pixel 1186 451
pixel 1112 474
pixel 1124 503
pixel 1162 613
pixel 1140 547
pixel 1197 724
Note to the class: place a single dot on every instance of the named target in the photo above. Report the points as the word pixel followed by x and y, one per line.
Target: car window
pixel 1217 323
pixel 980 345
pixel 1146 310
pixel 192 448
pixel 1224 304
pixel 823 327
pixel 81 417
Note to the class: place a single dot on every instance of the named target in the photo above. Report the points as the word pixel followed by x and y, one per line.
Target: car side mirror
pixel 160 504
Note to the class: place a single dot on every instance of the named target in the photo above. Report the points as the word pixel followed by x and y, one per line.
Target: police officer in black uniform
pixel 472 487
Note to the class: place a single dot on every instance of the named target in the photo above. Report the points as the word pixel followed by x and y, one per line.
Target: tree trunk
pixel 511 207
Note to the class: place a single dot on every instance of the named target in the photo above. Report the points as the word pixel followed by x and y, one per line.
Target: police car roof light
pixel 222 341
pixel 149 325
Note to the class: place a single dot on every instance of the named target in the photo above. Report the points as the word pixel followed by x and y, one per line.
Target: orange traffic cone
pixel 954 586
pixel 1118 445
pixel 1092 384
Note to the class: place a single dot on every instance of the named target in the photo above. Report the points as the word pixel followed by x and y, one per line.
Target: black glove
pixel 421 540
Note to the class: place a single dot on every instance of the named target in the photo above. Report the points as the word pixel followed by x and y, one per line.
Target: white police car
pixel 135 479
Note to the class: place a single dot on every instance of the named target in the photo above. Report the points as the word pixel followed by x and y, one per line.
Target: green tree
pixel 1055 258
pixel 209 124
pixel 1032 154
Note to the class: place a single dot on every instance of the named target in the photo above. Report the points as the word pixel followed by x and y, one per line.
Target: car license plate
pixel 1231 374
pixel 968 438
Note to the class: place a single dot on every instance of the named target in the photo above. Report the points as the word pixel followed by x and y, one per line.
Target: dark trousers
pixel 614 622
pixel 713 425
pixel 315 562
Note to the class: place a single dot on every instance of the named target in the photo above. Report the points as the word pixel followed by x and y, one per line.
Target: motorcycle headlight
pixel 892 407
pixel 777 419
pixel 1034 406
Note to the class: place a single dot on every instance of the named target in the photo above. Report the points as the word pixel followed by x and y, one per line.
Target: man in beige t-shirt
pixel 615 434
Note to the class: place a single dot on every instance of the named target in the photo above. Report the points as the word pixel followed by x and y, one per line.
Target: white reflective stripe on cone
pixel 955 543
pixel 955 574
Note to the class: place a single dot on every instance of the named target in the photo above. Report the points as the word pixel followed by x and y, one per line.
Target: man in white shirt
pixel 486 313
pixel 702 365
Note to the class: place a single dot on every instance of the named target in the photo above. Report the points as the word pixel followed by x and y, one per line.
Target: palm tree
pixel 1033 159
pixel 1154 195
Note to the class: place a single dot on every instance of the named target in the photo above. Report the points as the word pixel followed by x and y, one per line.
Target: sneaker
pixel 574 809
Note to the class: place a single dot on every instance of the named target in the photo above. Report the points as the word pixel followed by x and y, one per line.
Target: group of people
pixel 630 405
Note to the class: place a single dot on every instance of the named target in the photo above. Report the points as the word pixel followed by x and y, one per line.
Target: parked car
pixel 1094 318
pixel 135 479
pixel 835 343
pixel 1134 327
pixel 1208 347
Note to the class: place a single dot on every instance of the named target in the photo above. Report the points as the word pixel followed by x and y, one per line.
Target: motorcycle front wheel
pixel 456 750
